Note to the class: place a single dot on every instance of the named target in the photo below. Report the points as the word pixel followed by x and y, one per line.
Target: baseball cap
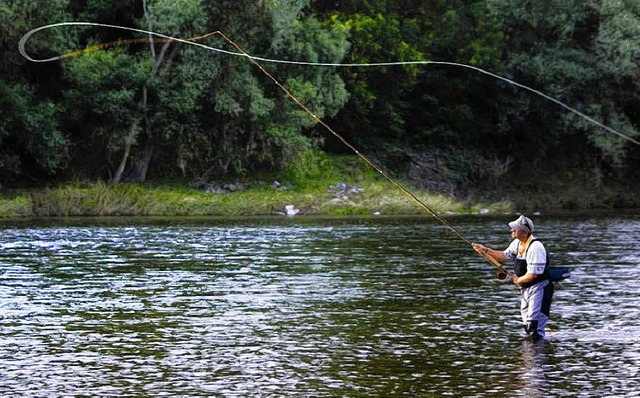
pixel 522 223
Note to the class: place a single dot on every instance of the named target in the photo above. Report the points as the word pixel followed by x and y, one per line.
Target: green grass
pixel 309 179
pixel 100 199
pixel 19 206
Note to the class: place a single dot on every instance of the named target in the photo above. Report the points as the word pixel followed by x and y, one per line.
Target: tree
pixel 379 103
pixel 581 53
pixel 203 112
pixel 400 113
pixel 249 123
pixel 129 98
pixel 34 147
pixel 618 77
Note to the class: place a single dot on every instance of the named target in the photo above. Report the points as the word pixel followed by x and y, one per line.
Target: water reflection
pixel 323 308
pixel 531 380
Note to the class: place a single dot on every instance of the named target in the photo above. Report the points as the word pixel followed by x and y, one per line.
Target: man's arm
pixel 528 277
pixel 495 254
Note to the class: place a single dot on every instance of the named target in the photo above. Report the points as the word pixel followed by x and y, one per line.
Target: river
pixel 311 307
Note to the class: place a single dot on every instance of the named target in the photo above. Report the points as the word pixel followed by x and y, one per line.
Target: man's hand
pixel 481 249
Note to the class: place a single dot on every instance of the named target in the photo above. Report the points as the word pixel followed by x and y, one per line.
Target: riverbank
pixel 367 197
pixel 332 186
pixel 342 198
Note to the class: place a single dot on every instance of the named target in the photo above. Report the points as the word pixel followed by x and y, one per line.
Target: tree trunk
pixel 128 141
pixel 139 169
pixel 138 172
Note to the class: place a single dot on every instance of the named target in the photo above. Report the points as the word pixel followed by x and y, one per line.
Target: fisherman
pixel 531 275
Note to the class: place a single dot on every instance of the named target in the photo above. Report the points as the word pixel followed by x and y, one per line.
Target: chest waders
pixel 536 303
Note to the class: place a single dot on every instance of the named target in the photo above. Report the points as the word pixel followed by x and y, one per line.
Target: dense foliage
pixel 159 109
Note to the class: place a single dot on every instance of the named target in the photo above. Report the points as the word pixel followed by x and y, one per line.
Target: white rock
pixel 291 210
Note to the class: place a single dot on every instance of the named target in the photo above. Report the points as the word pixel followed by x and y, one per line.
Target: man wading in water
pixel 531 275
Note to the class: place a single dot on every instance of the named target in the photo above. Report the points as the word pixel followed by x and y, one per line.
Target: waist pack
pixel 558 273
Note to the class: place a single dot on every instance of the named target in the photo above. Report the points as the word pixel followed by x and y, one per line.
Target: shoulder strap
pixel 528 247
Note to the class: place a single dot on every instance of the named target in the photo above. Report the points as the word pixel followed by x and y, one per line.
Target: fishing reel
pixel 502 274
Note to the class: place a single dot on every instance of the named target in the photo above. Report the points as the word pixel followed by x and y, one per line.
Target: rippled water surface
pixel 310 307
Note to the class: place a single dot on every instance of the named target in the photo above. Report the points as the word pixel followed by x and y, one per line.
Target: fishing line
pixel 191 41
pixel 254 60
pixel 128 41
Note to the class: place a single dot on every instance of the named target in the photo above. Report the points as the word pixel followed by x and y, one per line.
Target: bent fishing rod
pixel 364 158
pixel 254 60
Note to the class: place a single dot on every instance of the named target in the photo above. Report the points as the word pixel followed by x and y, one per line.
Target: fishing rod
pixel 369 162
pixel 254 60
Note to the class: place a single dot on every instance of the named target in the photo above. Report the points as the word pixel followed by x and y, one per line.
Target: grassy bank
pixel 316 185
pixel 100 199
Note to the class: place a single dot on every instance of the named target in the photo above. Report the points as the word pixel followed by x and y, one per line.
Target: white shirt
pixel 536 255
